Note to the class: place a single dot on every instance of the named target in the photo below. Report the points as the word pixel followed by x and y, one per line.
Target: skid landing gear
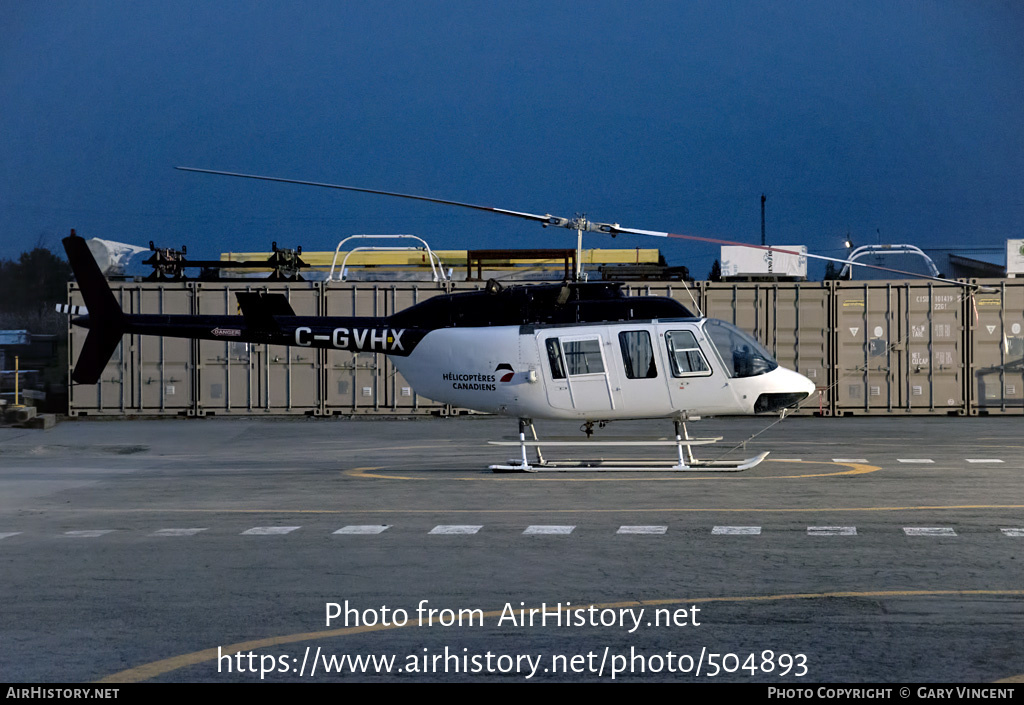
pixel 685 460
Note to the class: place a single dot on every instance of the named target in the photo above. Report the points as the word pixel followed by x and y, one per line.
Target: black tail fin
pixel 106 321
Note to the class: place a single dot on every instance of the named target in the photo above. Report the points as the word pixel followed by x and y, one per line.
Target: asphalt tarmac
pixel 864 550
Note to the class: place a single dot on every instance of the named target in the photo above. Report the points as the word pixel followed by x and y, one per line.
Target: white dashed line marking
pixel 849 460
pixel 831 530
pixel 915 460
pixel 928 531
pixel 642 530
pixel 176 532
pixel 533 530
pixel 364 529
pixel 455 529
pixel 984 460
pixel 270 530
pixel 560 530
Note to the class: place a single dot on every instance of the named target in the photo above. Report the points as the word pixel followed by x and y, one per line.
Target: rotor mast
pixel 581 225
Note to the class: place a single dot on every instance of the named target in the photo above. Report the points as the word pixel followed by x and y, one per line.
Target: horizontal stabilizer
pixel 259 308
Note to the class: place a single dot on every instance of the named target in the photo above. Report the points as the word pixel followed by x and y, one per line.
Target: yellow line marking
pixel 681 510
pixel 663 476
pixel 158 668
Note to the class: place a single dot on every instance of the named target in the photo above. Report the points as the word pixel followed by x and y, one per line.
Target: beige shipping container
pixel 871 347
pixel 146 375
pixel 996 318
pixel 369 383
pixel 791 319
pixel 254 378
pixel 899 348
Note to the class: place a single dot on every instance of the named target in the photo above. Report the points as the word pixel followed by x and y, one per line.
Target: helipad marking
pixel 984 460
pixel 1015 533
pixel 642 530
pixel 364 529
pixel 554 530
pixel 928 531
pixel 154 669
pixel 856 468
pixel 89 533
pixel 9 534
pixel 737 530
pixel 176 532
pixel 915 460
pixel 269 530
pixel 831 530
pixel 456 529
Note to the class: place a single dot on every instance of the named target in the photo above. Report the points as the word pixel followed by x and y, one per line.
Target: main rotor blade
pixel 578 223
pixel 528 216
pixel 782 250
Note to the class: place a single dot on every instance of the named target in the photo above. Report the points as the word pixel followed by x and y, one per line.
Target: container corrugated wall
pixel 147 375
pixel 368 383
pixel 251 378
pixel 792 320
pixel 996 349
pixel 870 347
pixel 900 347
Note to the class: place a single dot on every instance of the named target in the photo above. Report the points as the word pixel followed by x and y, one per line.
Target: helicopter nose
pixel 790 389
pixel 806 385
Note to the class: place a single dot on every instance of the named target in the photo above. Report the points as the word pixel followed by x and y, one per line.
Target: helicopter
pixel 577 350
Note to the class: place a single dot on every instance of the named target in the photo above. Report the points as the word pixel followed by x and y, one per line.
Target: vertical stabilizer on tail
pixel 105 320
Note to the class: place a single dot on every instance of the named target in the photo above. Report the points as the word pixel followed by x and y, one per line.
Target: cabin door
pixel 576 371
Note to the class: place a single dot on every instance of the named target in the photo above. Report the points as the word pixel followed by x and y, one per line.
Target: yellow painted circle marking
pixel 662 476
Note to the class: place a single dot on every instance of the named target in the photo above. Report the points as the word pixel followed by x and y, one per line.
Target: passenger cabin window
pixel 637 354
pixel 685 355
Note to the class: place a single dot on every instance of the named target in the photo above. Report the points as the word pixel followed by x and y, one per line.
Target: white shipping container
pixel 745 261
pixel 1015 258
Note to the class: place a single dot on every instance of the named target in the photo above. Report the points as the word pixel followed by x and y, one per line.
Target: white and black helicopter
pixel 576 350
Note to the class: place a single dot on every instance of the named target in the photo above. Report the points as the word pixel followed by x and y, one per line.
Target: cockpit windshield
pixel 742 355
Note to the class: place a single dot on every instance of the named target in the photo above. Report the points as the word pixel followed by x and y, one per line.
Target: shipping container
pixel 875 347
pixel 366 382
pixel 996 351
pixel 792 320
pixel 147 375
pixel 254 378
pixel 899 347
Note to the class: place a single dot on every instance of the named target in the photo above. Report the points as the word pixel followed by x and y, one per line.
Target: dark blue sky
pixel 899 117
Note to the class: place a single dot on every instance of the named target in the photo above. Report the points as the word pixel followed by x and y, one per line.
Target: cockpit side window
pixel 684 355
pixel 583 357
pixel 572 357
pixel 637 354
pixel 555 358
